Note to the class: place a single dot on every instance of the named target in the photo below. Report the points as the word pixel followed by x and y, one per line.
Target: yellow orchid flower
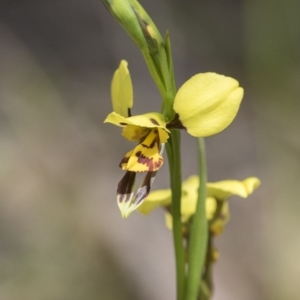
pixel 204 105
pixel 217 211
pixel 149 130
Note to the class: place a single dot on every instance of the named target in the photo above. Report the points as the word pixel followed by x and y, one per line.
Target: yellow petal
pixel 135 133
pixel 116 119
pixel 163 135
pixel 149 120
pixel 207 103
pixel 224 189
pixel 191 184
pixel 188 208
pixel 211 206
pixel 159 198
pixel 121 90
pixel 145 156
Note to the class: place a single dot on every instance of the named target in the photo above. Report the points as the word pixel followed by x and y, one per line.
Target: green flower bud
pixel 157 53
pixel 131 15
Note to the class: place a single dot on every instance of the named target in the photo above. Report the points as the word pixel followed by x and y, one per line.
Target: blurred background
pixel 61 234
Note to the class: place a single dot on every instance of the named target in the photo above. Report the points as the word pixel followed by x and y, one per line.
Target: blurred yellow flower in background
pixel 217 211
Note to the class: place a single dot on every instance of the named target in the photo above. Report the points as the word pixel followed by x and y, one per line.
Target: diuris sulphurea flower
pixel 204 105
pixel 149 130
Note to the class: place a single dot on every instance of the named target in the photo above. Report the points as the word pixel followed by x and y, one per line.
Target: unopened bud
pixel 131 15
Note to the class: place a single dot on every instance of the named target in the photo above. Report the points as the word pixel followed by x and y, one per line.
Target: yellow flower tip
pixel 124 203
pixel 116 119
pixel 207 103
pixel 251 184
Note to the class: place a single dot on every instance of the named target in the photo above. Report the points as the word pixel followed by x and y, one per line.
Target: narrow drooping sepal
pixel 125 196
pixel 142 192
pixel 125 192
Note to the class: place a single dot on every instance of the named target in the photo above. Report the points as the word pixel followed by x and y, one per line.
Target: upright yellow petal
pixel 207 103
pixel 121 90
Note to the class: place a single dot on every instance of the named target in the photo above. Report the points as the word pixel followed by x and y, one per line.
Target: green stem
pixel 206 286
pixel 173 151
pixel 198 235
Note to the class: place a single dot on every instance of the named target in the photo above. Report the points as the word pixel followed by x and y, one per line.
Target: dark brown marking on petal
pixel 149 162
pixel 155 140
pixel 123 123
pixel 175 123
pixel 125 198
pixel 150 146
pixel 138 154
pixel 124 160
pixel 153 121
pixel 125 185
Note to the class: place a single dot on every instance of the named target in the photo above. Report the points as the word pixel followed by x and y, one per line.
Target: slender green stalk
pixel 173 151
pixel 206 286
pixel 198 234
